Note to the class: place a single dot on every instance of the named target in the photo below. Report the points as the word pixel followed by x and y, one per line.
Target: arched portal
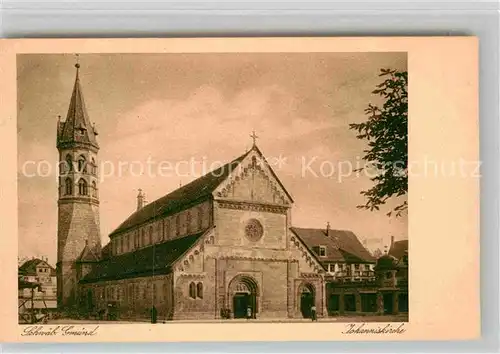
pixel 243 297
pixel 307 295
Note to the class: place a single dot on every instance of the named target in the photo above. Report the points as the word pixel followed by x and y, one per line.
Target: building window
pixel 69 163
pixel 188 222
pixel 199 290
pixel 331 267
pixel 82 187
pixel 166 229
pixel 200 217
pixel 367 267
pixel 82 164
pixel 349 302
pixel 368 302
pixel 356 266
pixel 192 290
pixel 150 240
pixel 154 293
pixel 136 239
pixel 145 292
pixel 165 288
pixel 322 251
pixel 94 167
pixel 69 186
pixel 143 238
pixel 121 244
pixel 94 189
pixel 177 225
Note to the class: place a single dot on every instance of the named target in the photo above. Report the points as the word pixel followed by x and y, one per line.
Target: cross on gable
pixel 254 137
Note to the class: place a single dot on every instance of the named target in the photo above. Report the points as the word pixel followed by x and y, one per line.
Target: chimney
pixel 141 198
pixel 327 229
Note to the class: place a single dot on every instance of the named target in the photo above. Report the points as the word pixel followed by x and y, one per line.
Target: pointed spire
pixel 77 127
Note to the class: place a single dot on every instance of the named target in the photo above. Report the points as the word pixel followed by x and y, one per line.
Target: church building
pixel 220 246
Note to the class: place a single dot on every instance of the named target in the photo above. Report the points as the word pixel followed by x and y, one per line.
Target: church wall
pixel 166 228
pixel 231 223
pixel 134 297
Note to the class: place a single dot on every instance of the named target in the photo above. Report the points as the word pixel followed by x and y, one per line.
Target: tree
pixel 386 132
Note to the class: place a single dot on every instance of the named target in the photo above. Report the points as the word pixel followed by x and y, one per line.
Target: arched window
pixel 166 229
pixel 199 290
pixel 94 167
pixel 94 189
pixel 177 225
pixel 82 187
pixel 68 183
pixel 188 222
pixel 82 164
pixel 69 163
pixel 143 238
pixel 150 241
pixel 192 290
pixel 200 217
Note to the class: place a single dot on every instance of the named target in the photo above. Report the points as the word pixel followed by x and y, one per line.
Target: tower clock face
pixel 254 230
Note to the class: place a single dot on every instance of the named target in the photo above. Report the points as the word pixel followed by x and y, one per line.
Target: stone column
pixel 395 302
pixel 341 302
pixel 380 304
pixel 357 296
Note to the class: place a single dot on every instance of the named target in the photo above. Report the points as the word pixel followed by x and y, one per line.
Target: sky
pixel 155 110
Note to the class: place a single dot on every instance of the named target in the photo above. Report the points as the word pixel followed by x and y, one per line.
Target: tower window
pixel 94 167
pixel 82 187
pixel 69 186
pixel 82 164
pixel 69 163
pixel 94 189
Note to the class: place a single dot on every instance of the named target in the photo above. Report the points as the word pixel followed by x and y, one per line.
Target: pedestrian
pixel 313 312
pixel 154 314
pixel 249 312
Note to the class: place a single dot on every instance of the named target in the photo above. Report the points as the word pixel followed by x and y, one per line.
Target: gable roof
pixel 29 267
pixel 191 193
pixel 155 259
pixel 77 120
pixel 398 249
pixel 341 245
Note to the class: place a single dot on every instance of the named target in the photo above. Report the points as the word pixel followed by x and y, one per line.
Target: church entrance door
pixel 241 302
pixel 243 292
pixel 307 300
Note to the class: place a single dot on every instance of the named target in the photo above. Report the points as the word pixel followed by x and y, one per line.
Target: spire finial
pixel 254 137
pixel 77 65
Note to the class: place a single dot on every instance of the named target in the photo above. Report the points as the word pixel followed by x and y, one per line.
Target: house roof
pixel 192 193
pixel 77 128
pixel 155 259
pixel 341 246
pixel 29 267
pixel 398 249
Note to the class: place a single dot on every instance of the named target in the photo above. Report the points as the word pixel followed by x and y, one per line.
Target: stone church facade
pixel 219 246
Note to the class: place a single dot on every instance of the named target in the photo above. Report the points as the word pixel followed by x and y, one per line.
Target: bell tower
pixel 78 230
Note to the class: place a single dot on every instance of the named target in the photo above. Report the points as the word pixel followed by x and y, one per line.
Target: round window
pixel 254 230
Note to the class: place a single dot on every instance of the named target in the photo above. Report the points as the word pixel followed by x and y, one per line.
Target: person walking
pixel 313 312
pixel 154 314
pixel 249 312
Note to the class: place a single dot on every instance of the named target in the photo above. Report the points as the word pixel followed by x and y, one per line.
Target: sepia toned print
pixel 225 245
pixel 197 110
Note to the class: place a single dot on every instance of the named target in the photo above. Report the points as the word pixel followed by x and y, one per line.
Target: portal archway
pixel 307 299
pixel 243 296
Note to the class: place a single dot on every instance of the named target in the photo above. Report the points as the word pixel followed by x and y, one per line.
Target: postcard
pixel 240 189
